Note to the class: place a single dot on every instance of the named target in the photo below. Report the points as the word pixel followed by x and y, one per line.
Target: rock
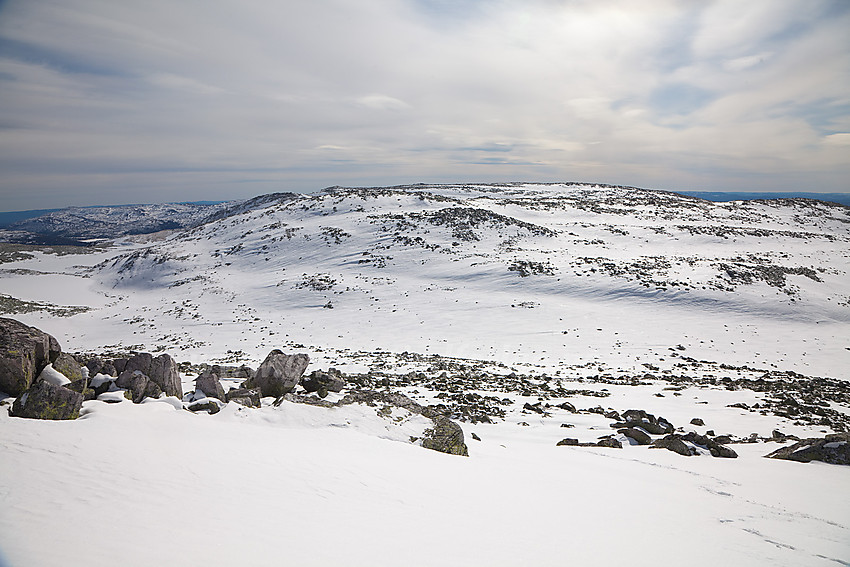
pixel 46 401
pixel 446 437
pixel 684 445
pixel 647 421
pixel 138 385
pixel 244 396
pixel 833 449
pixel 163 372
pixel 68 365
pixel 207 404
pixel 82 387
pixel 567 441
pixel 674 443
pixel 279 373
pixel 210 385
pixel 638 434
pixel 120 365
pixel 24 352
pixel 567 406
pixel 609 442
pixel 697 421
pixel 536 408
pixel 474 436
pixel 330 381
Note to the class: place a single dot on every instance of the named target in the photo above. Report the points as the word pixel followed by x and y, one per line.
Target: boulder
pixel 698 422
pixel 567 441
pixel 47 401
pixel 210 385
pixel 638 434
pixel 609 442
pixel 68 365
pixel 139 386
pixel 24 352
pixel 647 421
pixel 279 373
pixel 324 382
pixel 97 365
pixel 161 370
pixel 833 449
pixel 674 443
pixel 207 404
pixel 567 406
pixel 446 437
pixel 244 396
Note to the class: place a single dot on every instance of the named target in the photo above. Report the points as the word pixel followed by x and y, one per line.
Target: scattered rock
pixel 47 401
pixel 24 352
pixel 687 445
pixel 279 373
pixel 646 421
pixel 324 382
pixel 833 449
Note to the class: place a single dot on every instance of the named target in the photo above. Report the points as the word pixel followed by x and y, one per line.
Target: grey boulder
pixel 24 352
pixel 47 401
pixel 279 373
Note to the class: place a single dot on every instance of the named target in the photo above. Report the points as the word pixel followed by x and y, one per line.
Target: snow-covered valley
pixel 532 313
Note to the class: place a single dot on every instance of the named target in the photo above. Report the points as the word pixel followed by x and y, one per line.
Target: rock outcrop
pixel 279 373
pixel 833 449
pixel 648 422
pixel 47 401
pixel 24 352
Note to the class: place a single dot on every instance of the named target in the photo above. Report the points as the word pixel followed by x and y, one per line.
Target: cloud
pixel 184 98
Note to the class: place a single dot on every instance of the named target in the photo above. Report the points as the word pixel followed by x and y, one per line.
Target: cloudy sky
pixel 107 101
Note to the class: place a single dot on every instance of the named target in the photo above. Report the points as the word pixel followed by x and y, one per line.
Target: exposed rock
pixel 609 442
pixel 567 441
pixel 685 445
pixel 139 386
pixel 674 443
pixel 82 387
pixel 210 385
pixel 647 421
pixel 279 373
pixel 97 365
pixel 638 434
pixel 474 436
pixel 163 372
pixel 68 365
pixel 244 396
pixel 567 406
pixel 46 401
pixel 833 449
pixel 324 382
pixel 446 437
pixel 24 352
pixel 697 421
pixel 120 364
pixel 207 404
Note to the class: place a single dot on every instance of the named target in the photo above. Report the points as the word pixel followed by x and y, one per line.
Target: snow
pixel 151 483
pixel 53 376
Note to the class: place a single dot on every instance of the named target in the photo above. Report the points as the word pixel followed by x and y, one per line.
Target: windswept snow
pixel 605 297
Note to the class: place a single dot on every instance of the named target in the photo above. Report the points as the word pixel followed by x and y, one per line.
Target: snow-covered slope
pixel 535 274
pixel 493 300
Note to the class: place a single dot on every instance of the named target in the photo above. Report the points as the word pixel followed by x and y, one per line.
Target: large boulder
pixel 161 370
pixel 209 384
pixel 48 401
pixel 446 437
pixel 139 386
pixel 279 373
pixel 24 352
pixel 833 449
pixel 245 397
pixel 68 365
pixel 638 434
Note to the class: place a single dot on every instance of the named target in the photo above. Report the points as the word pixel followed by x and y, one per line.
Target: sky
pixel 105 102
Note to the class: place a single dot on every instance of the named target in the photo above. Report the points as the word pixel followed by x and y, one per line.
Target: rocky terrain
pixel 639 343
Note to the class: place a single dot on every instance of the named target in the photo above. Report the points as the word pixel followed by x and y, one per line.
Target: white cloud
pixel 304 95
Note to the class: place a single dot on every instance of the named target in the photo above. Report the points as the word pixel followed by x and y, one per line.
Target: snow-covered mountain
pixel 528 312
pixel 75 225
